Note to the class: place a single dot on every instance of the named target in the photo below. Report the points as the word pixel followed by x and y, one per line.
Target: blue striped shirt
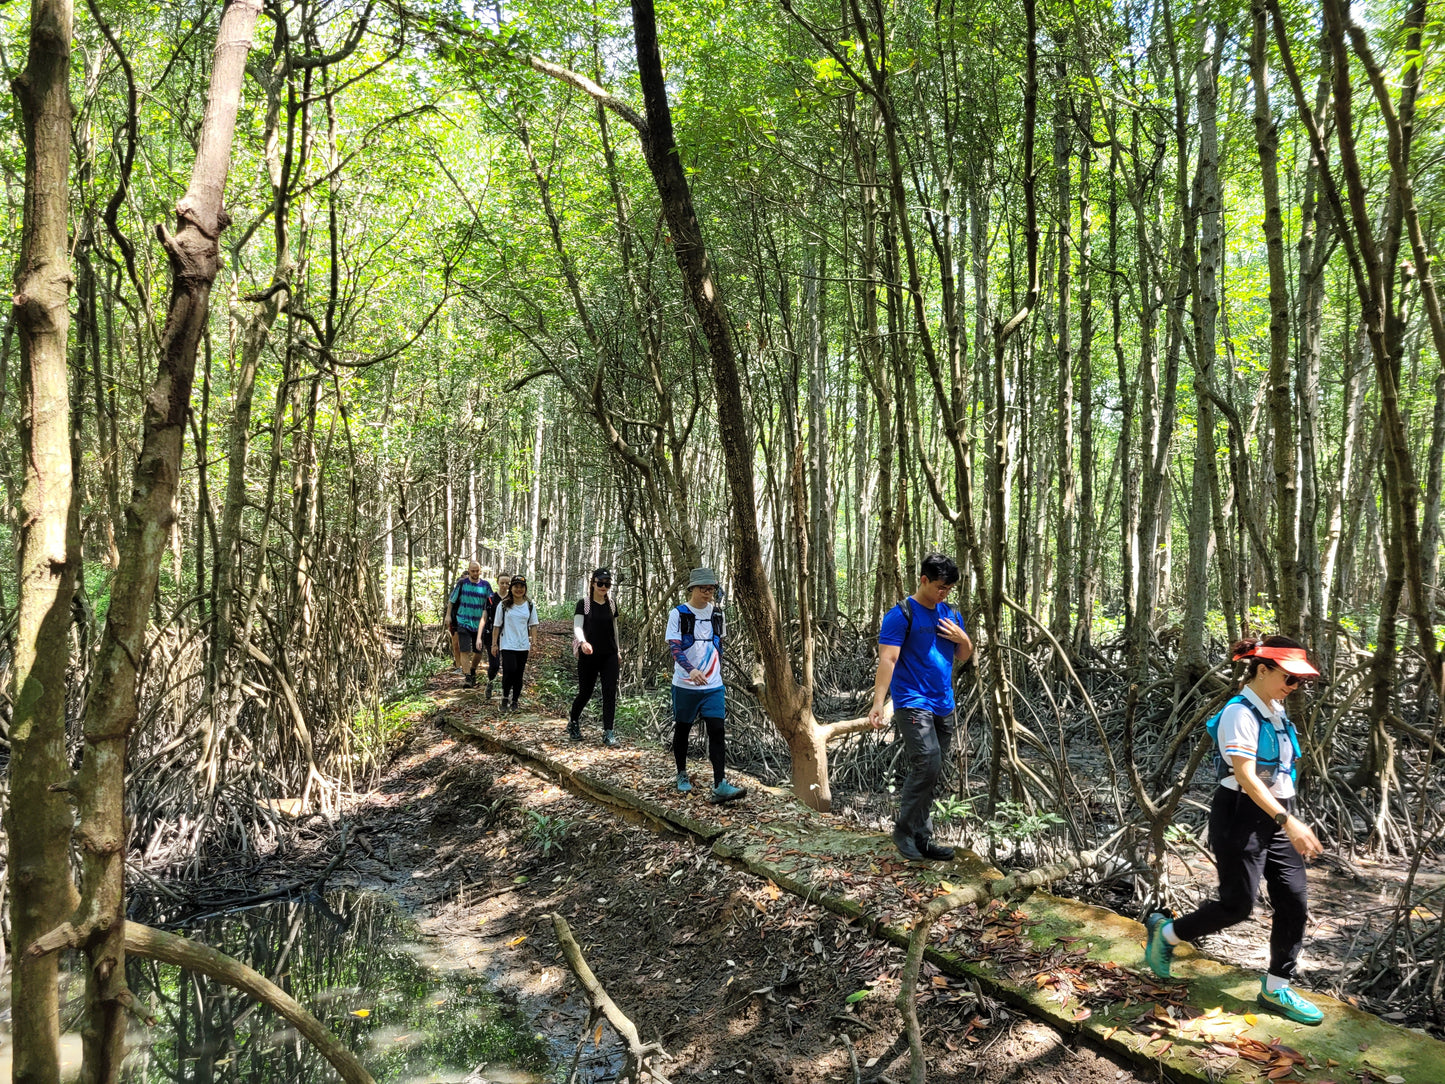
pixel 469 599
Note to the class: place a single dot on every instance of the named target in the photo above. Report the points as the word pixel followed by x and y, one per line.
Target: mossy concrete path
pixel 1076 966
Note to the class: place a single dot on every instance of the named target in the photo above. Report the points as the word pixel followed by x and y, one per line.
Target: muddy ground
pixel 731 975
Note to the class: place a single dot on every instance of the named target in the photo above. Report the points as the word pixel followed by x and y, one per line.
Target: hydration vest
pixel 687 623
pixel 1266 760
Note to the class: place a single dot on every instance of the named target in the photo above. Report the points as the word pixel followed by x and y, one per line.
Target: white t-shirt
pixel 514 624
pixel 703 655
pixel 1239 737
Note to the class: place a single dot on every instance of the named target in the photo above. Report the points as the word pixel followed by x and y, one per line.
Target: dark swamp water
pixel 358 965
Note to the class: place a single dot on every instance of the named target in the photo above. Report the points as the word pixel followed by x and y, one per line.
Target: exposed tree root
pixel 639 1054
pixel 168 948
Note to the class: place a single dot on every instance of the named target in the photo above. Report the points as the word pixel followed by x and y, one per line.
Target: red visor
pixel 1292 660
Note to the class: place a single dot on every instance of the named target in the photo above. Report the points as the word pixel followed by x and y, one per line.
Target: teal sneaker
pixel 684 785
pixel 1158 953
pixel 609 738
pixel 1290 1004
pixel 726 792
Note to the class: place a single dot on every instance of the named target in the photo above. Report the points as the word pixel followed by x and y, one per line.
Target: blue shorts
pixel 688 704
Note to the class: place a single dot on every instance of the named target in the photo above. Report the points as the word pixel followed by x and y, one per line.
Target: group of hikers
pixel 922 641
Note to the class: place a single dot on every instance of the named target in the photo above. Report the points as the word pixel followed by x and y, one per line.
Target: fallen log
pixel 940 906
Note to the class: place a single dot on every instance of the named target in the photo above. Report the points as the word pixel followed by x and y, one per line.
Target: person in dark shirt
pixel 489 617
pixel 594 642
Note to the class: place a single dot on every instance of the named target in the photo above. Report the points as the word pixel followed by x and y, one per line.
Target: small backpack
pixel 1266 761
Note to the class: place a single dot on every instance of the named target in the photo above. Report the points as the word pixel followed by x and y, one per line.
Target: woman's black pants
pixel 1247 844
pixel 589 669
pixel 514 664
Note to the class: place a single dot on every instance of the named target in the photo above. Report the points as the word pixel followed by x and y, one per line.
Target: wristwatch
pixel 1280 818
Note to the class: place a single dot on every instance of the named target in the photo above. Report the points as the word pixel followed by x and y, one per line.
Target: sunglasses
pixel 603 583
pixel 1291 680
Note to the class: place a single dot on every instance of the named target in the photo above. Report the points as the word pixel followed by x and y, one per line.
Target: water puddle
pixel 357 964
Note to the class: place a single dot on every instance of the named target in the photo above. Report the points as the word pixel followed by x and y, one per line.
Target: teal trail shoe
pixel 609 737
pixel 1158 953
pixel 684 785
pixel 726 792
pixel 1287 1002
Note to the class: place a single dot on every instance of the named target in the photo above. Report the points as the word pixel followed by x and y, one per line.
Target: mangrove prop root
pixel 937 908
pixel 638 1052
pixel 153 944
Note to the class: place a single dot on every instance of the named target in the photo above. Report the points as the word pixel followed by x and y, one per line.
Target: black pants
pixel 1247 844
pixel 494 662
pixel 716 747
pixel 514 664
pixel 602 665
pixel 928 739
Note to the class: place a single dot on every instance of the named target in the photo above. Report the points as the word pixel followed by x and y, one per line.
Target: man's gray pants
pixel 928 739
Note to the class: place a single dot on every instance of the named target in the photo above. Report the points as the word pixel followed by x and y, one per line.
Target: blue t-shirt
pixel 923 677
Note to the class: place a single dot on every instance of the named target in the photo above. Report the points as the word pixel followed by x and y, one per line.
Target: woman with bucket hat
pixel 695 633
pixel 1252 828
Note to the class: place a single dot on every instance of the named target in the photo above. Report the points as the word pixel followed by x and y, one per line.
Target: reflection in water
pixel 355 964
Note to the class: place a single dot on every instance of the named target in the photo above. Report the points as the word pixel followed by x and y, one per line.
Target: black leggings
pixel 514 664
pixel 493 661
pixel 589 669
pixel 716 750
pixel 1247 844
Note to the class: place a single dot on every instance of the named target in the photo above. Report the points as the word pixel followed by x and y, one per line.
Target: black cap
pixel 602 575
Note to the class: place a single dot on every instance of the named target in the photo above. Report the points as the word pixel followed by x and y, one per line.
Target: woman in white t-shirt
pixel 1252 829
pixel 512 639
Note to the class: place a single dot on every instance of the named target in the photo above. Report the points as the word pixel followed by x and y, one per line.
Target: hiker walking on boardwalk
pixel 512 638
pixel 921 641
pixel 465 607
pixel 594 642
pixel 1252 829
pixel 489 621
pixel 695 633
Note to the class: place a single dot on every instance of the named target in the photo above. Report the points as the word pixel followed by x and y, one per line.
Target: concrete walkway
pixel 1078 967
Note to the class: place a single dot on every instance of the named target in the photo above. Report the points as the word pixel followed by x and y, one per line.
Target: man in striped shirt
pixel 464 611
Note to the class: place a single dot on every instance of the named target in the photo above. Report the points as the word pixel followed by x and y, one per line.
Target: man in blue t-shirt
pixel 920 643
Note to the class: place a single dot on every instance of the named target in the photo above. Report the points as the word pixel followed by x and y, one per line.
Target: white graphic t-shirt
pixel 702 654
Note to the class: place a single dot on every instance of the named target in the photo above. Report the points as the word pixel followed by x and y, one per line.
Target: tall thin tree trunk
pixel 39 818
pixel 1286 488
pixel 1064 446
pixel 99 923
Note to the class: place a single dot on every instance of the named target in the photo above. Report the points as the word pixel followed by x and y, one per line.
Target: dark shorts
pixel 469 641
pixel 688 704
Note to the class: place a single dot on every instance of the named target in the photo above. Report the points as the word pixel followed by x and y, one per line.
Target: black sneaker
pixel 469 682
pixel 906 847
pixel 934 852
pixel 574 729
pixel 489 691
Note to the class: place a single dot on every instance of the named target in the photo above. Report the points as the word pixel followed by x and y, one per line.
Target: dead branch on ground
pixel 639 1054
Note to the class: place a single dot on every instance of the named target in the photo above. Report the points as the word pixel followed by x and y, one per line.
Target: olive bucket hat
pixel 702 577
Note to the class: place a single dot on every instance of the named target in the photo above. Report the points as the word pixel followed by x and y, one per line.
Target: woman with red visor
pixel 1251 828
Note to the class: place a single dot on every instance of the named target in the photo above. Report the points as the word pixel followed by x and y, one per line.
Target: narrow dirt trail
pixel 734 976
